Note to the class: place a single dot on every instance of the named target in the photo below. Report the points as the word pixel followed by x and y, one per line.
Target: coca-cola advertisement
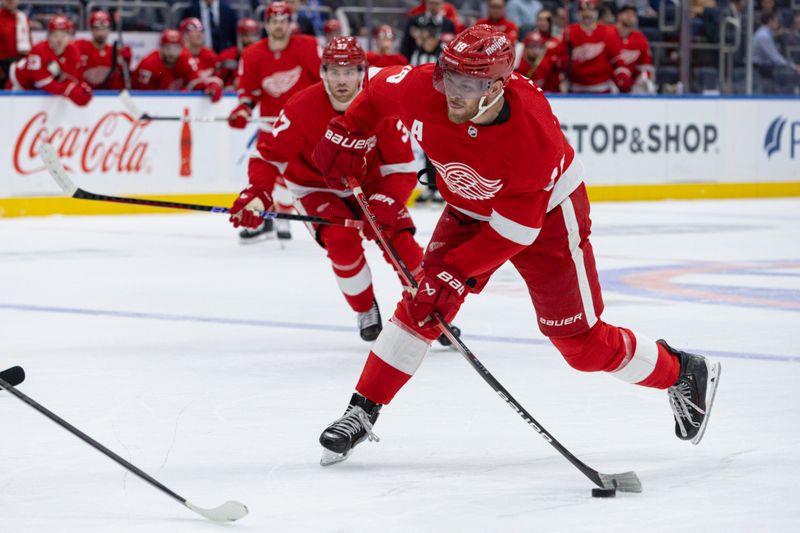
pixel 104 147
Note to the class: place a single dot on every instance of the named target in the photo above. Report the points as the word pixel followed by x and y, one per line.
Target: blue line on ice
pixel 330 327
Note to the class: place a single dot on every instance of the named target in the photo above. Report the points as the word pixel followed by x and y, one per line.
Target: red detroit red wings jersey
pixel 377 60
pixel 635 54
pixel 95 64
pixel 270 78
pixel 595 55
pixel 15 34
pixel 509 174
pixel 544 73
pixel 504 25
pixel 43 69
pixel 227 68
pixel 302 123
pixel 153 75
pixel 205 62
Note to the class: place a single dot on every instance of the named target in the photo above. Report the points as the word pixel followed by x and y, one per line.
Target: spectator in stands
pixel 790 40
pixel 219 19
pixel 384 43
pixel 53 65
pixel 767 6
pixel 301 22
pixel 169 68
pixel 523 13
pixel 544 25
pixel 607 14
pixel 433 16
pixel 635 52
pixel 15 36
pixel 497 19
pixel 446 8
pixel 193 35
pixel 248 31
pixel 765 50
pixel 643 8
pixel 538 64
pixel 559 22
pixel 332 28
pixel 428 44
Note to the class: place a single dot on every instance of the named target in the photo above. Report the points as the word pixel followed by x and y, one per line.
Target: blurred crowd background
pixel 696 46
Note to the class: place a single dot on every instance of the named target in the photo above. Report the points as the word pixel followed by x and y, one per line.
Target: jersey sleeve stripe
pixel 513 231
pixel 41 83
pixel 396 168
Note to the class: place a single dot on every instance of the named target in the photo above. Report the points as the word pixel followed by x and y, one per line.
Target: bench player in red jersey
pixel 97 55
pixel 204 59
pixel 514 192
pixel 271 71
pixel 53 65
pixel 248 31
pixel 389 182
pixel 385 56
pixel 635 53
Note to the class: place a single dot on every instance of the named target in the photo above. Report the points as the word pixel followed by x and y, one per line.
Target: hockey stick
pixel 625 482
pixel 229 511
pixel 138 114
pixel 56 170
pixel 13 376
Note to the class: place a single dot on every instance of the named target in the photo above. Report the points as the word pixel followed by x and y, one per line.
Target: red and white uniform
pixel 153 74
pixel 544 72
pixel 270 78
pixel 227 68
pixel 15 34
pixel 595 59
pixel 504 25
pixel 514 193
pixel 96 62
pixel 43 69
pixel 287 150
pixel 636 56
pixel 205 62
pixel 374 59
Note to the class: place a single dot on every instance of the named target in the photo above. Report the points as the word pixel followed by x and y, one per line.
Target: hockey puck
pixel 604 493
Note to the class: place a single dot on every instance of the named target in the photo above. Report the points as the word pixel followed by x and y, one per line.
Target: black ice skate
pixel 692 396
pixel 283 230
pixel 251 235
pixel 369 322
pixel 444 341
pixel 339 438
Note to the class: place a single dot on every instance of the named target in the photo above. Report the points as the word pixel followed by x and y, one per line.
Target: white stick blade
pixel 56 169
pixel 130 105
pixel 229 511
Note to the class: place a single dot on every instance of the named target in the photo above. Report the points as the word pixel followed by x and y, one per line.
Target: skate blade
pixel 714 371
pixel 331 458
pixel 266 236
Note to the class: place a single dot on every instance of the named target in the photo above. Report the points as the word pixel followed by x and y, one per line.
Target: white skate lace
pixel 354 419
pixel 679 400
pixel 369 318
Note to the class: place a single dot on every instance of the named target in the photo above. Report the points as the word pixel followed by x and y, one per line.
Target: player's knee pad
pixel 595 350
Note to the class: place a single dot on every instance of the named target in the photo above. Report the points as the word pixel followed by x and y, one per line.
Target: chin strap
pixel 483 106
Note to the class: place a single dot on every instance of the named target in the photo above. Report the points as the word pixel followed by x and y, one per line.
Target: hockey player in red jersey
pixel 203 58
pixel 385 55
pixel 538 64
pixel 15 36
pixel 247 31
pixel 53 65
pixel 590 54
pixel 389 181
pixel 635 52
pixel 169 69
pixel 97 55
pixel 497 19
pixel 272 70
pixel 515 193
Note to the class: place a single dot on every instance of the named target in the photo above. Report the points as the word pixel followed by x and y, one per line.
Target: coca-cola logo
pixel 112 144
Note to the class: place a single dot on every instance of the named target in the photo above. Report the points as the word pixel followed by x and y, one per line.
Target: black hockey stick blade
pixel 13 376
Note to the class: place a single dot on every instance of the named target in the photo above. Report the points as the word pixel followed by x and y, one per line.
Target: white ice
pixel 214 366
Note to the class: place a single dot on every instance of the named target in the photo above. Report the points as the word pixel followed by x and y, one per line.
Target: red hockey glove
pixel 244 211
pixel 442 289
pixel 240 116
pixel 341 153
pixel 387 211
pixel 79 92
pixel 214 90
pixel 623 79
pixel 126 54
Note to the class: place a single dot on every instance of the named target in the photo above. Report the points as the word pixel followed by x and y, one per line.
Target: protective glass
pixel 452 83
pixel 336 73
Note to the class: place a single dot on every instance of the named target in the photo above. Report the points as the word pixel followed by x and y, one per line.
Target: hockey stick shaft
pixel 626 482
pixel 138 114
pixel 227 512
pixel 56 170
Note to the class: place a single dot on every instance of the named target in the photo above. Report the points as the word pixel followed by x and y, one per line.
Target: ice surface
pixel 214 367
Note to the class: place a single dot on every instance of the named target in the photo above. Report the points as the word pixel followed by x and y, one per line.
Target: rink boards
pixel 633 148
